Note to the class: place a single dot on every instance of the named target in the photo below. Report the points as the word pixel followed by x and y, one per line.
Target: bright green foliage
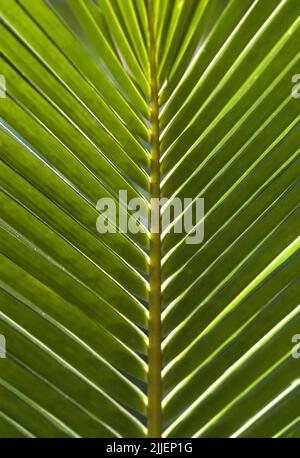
pixel 77 125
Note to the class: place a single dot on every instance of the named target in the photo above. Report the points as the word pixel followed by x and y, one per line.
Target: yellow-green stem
pixel 154 355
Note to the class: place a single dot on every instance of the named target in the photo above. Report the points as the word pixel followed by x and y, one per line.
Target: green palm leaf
pixel 142 334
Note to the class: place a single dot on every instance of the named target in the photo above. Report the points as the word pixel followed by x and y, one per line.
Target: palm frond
pixel 141 334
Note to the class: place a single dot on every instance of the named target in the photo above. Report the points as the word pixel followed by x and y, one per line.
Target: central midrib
pixel 154 352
